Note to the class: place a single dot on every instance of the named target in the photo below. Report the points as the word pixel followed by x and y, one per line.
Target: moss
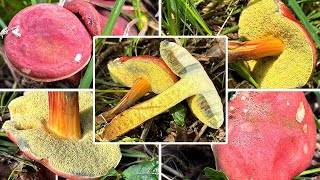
pixel 294 66
pixel 132 70
pixel 29 114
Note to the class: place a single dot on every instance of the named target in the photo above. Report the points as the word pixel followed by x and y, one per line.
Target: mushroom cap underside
pixel 49 44
pixel 68 158
pixel 126 70
pixel 295 65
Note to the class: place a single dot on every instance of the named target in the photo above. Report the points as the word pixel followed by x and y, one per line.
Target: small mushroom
pixel 142 74
pixel 120 27
pixel 271 135
pixel 47 43
pixel 89 15
pixel 194 84
pixel 52 130
pixel 281 51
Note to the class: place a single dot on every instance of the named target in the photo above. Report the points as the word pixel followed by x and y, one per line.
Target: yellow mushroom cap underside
pixel 294 66
pixel 29 115
pixel 128 72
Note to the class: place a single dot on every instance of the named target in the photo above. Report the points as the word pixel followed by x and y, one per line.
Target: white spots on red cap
pixel 16 31
pixel 305 128
pixel 78 58
pixel 305 148
pixel 245 110
pixel 288 103
pixel 243 98
pixel 231 108
pixel 300 112
pixel 26 70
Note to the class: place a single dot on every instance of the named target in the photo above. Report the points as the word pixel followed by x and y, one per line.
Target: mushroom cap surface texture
pixel 295 65
pixel 51 43
pixel 80 159
pixel 126 70
pixel 271 135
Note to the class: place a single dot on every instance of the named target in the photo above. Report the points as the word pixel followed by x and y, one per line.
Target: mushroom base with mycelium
pixel 79 159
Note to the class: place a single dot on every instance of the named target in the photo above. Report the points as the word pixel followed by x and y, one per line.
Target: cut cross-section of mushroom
pixel 281 51
pixel 205 102
pixel 43 132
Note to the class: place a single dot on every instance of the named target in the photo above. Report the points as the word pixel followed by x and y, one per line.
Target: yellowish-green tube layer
pixel 127 73
pixel 29 115
pixel 294 66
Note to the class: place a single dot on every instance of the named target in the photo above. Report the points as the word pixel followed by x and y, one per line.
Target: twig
pixel 172 171
pixel 204 127
pixel 146 130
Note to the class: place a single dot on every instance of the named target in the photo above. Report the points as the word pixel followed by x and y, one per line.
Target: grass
pixel 180 17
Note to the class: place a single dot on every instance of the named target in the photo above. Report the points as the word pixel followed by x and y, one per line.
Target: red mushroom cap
pixel 89 15
pixel 272 135
pixel 49 43
pixel 121 24
pixel 285 11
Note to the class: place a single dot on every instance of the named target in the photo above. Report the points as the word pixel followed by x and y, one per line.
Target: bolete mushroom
pixel 271 135
pixel 52 131
pixel 46 42
pixel 121 26
pixel 142 74
pixel 194 84
pixel 281 51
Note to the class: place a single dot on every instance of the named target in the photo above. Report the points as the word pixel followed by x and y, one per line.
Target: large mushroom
pixel 47 43
pixel 56 130
pixel 281 51
pixel 271 135
pixel 194 84
pixel 142 74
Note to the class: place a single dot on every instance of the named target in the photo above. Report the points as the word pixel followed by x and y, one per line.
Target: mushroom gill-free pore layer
pixel 29 115
pixel 295 65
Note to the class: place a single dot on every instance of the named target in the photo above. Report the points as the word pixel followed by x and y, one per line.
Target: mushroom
pixel 47 43
pixel 281 51
pixel 271 135
pixel 141 73
pixel 194 84
pixel 47 129
pixel 121 24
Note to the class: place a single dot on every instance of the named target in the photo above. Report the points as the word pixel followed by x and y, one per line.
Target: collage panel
pixel 271 135
pixel 272 44
pixel 162 74
pixel 49 134
pixel 49 45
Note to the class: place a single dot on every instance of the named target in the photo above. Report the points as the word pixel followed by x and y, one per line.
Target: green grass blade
pixel 243 71
pixel 111 90
pixel 87 78
pixel 115 12
pixel 2 24
pixel 7 143
pixel 33 2
pixel 298 11
pixel 100 81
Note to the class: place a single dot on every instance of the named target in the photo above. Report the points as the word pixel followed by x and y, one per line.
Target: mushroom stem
pixel 139 89
pixel 205 102
pixel 255 49
pixel 140 113
pixel 64 117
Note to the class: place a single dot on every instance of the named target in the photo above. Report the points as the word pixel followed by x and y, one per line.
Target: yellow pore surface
pixel 29 115
pixel 294 66
pixel 128 72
